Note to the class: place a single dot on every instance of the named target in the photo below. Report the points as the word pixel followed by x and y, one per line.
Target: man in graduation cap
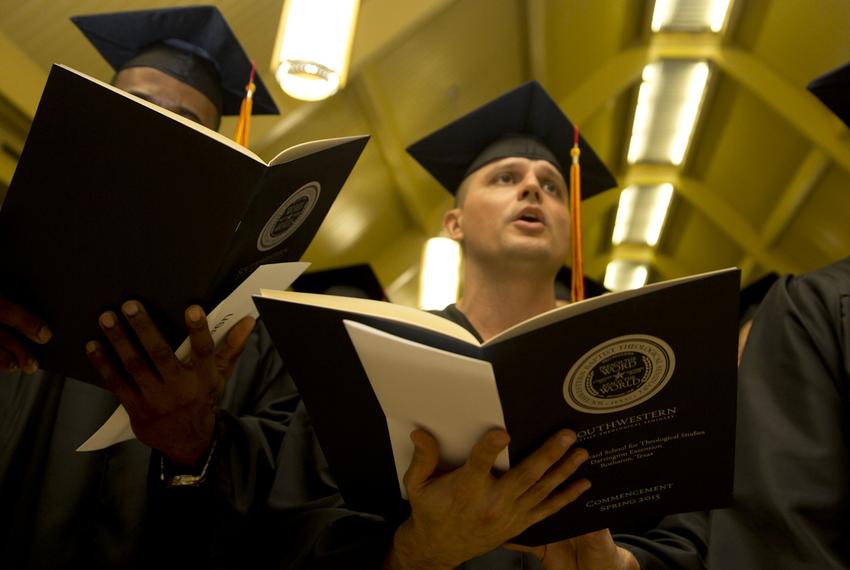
pixel 215 442
pixel 507 164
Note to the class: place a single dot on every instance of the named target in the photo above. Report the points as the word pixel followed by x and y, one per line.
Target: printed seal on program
pixel 619 374
pixel 289 216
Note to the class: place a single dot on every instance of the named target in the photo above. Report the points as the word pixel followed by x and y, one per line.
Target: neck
pixel 496 300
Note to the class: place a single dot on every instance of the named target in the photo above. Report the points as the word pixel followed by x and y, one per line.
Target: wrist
pixel 173 476
pixel 409 551
pixel 191 450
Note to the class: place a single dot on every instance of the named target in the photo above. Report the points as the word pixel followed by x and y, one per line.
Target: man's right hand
pixel 469 511
pixel 16 324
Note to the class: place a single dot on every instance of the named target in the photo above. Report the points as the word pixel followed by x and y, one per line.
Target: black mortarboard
pixel 193 44
pixel 753 294
pixel 833 89
pixel 563 282
pixel 523 122
pixel 351 281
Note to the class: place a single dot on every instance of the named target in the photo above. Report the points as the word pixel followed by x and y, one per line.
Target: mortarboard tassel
pixel 243 126
pixel 577 288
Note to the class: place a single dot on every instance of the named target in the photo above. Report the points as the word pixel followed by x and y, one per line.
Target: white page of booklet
pixel 453 397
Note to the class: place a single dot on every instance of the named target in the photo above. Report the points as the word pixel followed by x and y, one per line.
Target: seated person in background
pixel 67 509
pixel 506 164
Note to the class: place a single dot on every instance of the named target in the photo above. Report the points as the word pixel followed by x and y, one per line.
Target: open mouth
pixel 530 216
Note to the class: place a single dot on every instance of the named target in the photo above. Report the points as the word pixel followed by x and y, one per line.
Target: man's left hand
pixel 172 404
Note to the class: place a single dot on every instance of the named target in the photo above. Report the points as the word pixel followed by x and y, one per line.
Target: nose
pixel 530 189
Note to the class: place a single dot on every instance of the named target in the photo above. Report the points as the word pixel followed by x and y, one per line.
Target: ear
pixel 452 222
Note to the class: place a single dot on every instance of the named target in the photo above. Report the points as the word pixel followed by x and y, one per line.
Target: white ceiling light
pixel 314 40
pixel 669 101
pixel 641 214
pixel 690 15
pixel 621 275
pixel 439 275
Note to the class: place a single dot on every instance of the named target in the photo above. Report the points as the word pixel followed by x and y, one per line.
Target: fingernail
pixel 130 308
pixel 31 366
pixel 107 320
pixel 91 347
pixel 501 438
pixel 567 438
pixel 195 314
pixel 43 334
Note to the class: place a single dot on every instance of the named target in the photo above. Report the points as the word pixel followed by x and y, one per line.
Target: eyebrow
pixel 514 161
pixel 179 109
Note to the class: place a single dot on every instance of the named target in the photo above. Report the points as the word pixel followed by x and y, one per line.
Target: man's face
pixel 513 208
pixel 169 93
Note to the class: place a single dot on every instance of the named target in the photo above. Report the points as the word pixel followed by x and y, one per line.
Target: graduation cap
pixel 833 89
pixel 563 283
pixel 524 122
pixel 192 44
pixel 753 294
pixel 351 281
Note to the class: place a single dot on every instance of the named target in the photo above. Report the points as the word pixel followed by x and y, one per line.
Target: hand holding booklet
pixel 115 198
pixel 646 378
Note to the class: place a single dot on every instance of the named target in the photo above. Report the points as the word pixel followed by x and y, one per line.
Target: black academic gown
pixel 108 509
pixel 791 505
pixel 309 527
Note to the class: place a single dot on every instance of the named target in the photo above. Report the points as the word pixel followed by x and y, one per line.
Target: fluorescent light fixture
pixel 690 15
pixel 439 275
pixel 669 100
pixel 641 214
pixel 621 275
pixel 315 38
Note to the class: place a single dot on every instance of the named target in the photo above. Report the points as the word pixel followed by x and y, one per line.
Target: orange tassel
pixel 243 126
pixel 577 289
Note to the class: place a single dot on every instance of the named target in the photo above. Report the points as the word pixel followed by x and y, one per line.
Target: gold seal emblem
pixel 289 216
pixel 619 374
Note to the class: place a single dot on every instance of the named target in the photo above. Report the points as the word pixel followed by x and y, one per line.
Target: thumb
pixel 229 351
pixel 426 457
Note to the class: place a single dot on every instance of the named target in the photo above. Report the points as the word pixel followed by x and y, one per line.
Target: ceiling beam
pixel 373 102
pixel 535 15
pixel 717 210
pixel 667 266
pixel 608 81
pixel 792 198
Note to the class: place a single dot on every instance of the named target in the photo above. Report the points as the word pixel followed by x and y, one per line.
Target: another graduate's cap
pixel 563 283
pixel 192 44
pixel 833 89
pixel 524 122
pixel 351 281
pixel 753 294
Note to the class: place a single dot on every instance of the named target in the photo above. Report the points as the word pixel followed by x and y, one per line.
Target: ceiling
pixel 765 183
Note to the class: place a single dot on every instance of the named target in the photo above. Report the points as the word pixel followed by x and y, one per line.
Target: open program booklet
pixel 115 198
pixel 645 377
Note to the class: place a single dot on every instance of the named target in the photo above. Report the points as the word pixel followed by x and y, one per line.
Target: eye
pixel 504 178
pixel 551 186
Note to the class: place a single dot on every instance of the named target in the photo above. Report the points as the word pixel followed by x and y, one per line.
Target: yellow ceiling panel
pixel 820 232
pixel 747 153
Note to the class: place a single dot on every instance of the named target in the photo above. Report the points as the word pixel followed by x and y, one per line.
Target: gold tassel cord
pixel 243 126
pixel 577 288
